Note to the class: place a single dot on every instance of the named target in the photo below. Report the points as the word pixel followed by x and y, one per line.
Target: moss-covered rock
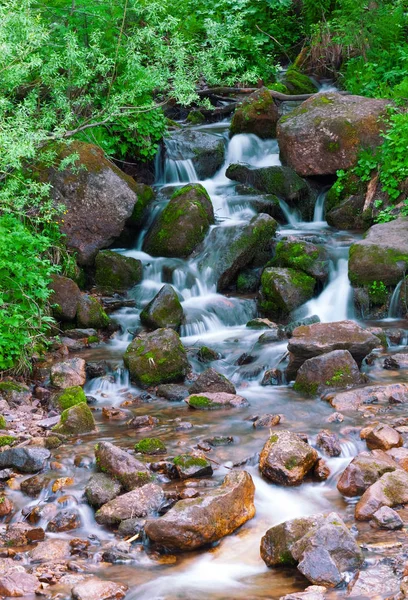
pixel 304 256
pixel 349 215
pixel 116 273
pixel 150 446
pixel 6 440
pixel 3 422
pixel 286 459
pixel 215 400
pixel 327 131
pixel 76 420
pixel 248 282
pixel 382 256
pixel 90 313
pixel 164 310
pixel 283 290
pixel 158 357
pixel 70 397
pixel 192 466
pixel 206 354
pixel 298 83
pixel 182 225
pixel 125 468
pixel 257 114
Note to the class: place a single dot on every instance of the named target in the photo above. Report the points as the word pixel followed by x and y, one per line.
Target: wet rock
pixel 98 589
pixel 257 114
pixel 259 323
pixel 137 503
pixel 101 489
pixel 205 150
pixel 365 469
pixel 272 377
pixel 234 248
pixel 182 225
pixel 286 459
pixel 21 534
pixel 283 290
pixel 304 256
pixel 96 369
pixel 349 214
pixel 33 486
pixel 382 255
pixel 383 437
pixel 400 455
pixel 18 583
pixel 158 357
pixel 313 340
pixel 212 401
pixel 390 490
pixel 65 297
pixel 328 442
pixel 99 199
pixel 372 394
pixel 150 446
pixel 76 420
pixel 172 392
pixel 326 132
pixel 113 413
pixel 164 310
pixel 51 550
pixel 115 272
pixel 25 459
pixel 188 466
pixel 125 468
pixel 195 522
pixel 131 527
pixel 91 313
pixel 327 552
pixel 143 422
pixel 219 440
pixel 267 420
pixel 212 382
pixel 313 592
pixel 290 327
pixel 65 520
pixel 70 397
pixel 321 471
pixel 336 369
pixel 387 518
pixel 6 506
pixel 378 581
pixel 69 373
pixel 206 354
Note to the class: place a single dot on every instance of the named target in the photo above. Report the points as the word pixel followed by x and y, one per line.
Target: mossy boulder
pixel 349 215
pixel 382 256
pixel 90 313
pixel 232 249
pixel 257 114
pixel 333 370
pixel 205 150
pixel 150 446
pixel 304 256
pixel 99 199
pixel 116 273
pixel 70 397
pixel 365 469
pixel 182 225
pixel 76 420
pixel 279 181
pixel 286 459
pixel 64 298
pixel 122 466
pixel 283 290
pixel 158 357
pixel 101 489
pixel 215 400
pixel 390 490
pixel 192 466
pixel 327 131
pixel 164 310
pixel 298 83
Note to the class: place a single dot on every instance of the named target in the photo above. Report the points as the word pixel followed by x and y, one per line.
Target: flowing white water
pixel 394 307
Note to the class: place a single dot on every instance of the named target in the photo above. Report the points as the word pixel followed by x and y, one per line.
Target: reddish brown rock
pixel 258 114
pixel 336 369
pixel 98 589
pixel 364 470
pixel 328 442
pixel 400 455
pixel 65 296
pixel 137 503
pixel 378 394
pixel 286 459
pixel 17 584
pixel 69 373
pixel 390 490
pixel 383 437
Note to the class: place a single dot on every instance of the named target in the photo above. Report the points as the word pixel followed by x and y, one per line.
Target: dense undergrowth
pixel 105 70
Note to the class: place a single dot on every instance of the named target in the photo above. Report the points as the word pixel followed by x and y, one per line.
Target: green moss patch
pixel 70 397
pixel 7 440
pixel 150 446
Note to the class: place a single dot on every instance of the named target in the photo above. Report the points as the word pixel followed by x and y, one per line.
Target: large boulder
pixel 365 469
pixel 379 394
pixel 164 310
pixel 336 369
pixel 157 357
pixel 76 420
pixel 212 381
pixel 91 313
pixel 305 256
pixel 98 198
pixel 206 151
pixel 390 490
pixel 64 298
pixel 326 132
pixel 231 249
pixel 257 114
pixel 125 468
pixel 116 273
pixel 94 588
pixel 382 255
pixel 68 373
pixel 101 489
pixel 286 459
pixel 283 290
pixel 196 522
pixel 26 459
pixel 182 225
pixel 137 503
pixel 308 341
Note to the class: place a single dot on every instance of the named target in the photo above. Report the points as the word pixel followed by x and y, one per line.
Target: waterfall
pixel 318 215
pixel 395 301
